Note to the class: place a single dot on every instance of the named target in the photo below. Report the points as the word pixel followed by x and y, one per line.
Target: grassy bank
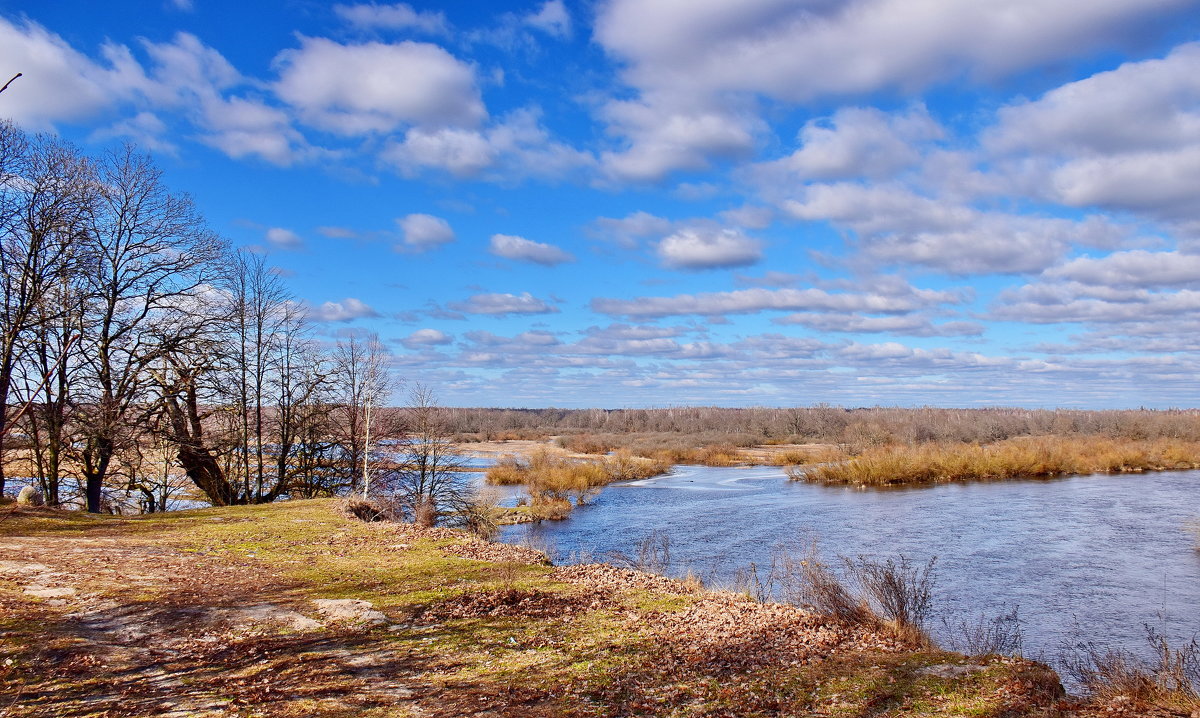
pixel 1012 458
pixel 227 612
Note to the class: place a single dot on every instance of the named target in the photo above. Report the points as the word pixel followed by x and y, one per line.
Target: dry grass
pixel 555 481
pixel 1171 680
pixel 1025 457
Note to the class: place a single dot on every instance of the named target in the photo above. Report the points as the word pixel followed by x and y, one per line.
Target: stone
pixel 30 496
pixel 349 609
pixel 950 670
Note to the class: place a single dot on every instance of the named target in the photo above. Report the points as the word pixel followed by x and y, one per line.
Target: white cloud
pixel 1147 105
pixel 503 304
pixel 424 338
pixel 706 247
pixel 525 250
pixel 397 16
pixel 145 129
pixel 908 325
pixel 346 310
pixel 692 63
pixel 796 51
pixel 664 132
pixel 285 239
pixel 58 83
pixel 895 225
pixel 858 142
pixel 424 231
pixel 377 87
pixel 745 301
pixel 1136 268
pixel 627 231
pixel 1125 139
pixel 552 18
pixel 513 149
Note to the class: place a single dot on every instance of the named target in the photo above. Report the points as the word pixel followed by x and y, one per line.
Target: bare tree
pixel 364 388
pixel 46 197
pixel 429 486
pixel 154 257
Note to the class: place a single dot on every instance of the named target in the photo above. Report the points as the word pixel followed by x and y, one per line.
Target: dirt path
pixel 125 627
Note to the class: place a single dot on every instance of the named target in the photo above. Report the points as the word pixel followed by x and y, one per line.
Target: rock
pixel 349 609
pixel 270 613
pixel 45 592
pixel 30 496
pixel 950 670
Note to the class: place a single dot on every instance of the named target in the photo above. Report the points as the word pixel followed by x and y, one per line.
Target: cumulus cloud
pixel 526 250
pixel 517 147
pixel 709 248
pixel 397 16
pixel 60 83
pixel 663 132
pixel 1135 268
pixel 858 142
pixel 1127 138
pixel 907 325
pixel 551 18
pixel 497 304
pixel 425 338
pixel 745 301
pixel 797 51
pixel 346 310
pixel 629 230
pixel 894 225
pixel 424 231
pixel 286 239
pixel 354 89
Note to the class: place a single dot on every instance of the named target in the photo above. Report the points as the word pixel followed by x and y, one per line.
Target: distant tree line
pixel 136 347
pixel 860 427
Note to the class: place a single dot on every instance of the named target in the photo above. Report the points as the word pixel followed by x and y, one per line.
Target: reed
pixel 554 480
pixel 1011 458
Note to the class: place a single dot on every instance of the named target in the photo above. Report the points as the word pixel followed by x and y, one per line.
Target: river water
pixel 1089 558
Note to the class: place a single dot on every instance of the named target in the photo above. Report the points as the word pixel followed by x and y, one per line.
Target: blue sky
pixel 662 202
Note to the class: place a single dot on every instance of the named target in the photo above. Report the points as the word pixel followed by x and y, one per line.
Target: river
pixel 1087 558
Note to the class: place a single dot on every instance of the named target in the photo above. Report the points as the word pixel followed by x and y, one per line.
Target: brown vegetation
pixel 1012 458
pixel 554 480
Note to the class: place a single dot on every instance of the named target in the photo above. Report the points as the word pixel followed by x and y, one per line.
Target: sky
pixel 641 203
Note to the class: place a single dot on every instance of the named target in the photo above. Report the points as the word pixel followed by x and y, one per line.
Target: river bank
pixel 296 609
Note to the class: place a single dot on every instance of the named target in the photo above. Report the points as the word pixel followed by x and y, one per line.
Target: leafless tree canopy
pixel 141 357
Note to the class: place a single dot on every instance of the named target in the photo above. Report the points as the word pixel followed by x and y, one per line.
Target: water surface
pixel 1091 558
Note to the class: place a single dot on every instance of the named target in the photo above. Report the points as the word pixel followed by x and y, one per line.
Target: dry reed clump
pixel 1012 458
pixel 1171 680
pixel 555 481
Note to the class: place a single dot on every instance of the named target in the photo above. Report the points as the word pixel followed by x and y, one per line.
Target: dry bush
pixel 366 510
pixel 897 590
pixel 550 508
pixel 507 471
pixel 651 555
pixel 1171 679
pixel 587 444
pixel 999 635
pixel 624 466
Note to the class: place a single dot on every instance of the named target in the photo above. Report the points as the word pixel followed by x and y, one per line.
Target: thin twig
pixel 14 77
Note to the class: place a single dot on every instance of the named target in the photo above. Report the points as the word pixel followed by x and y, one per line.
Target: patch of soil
pixel 497 552
pixel 604 577
pixel 512 602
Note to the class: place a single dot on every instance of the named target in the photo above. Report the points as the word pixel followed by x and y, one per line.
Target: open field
pixel 294 609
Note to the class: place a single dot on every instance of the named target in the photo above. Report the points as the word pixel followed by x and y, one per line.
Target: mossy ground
pixel 153 629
